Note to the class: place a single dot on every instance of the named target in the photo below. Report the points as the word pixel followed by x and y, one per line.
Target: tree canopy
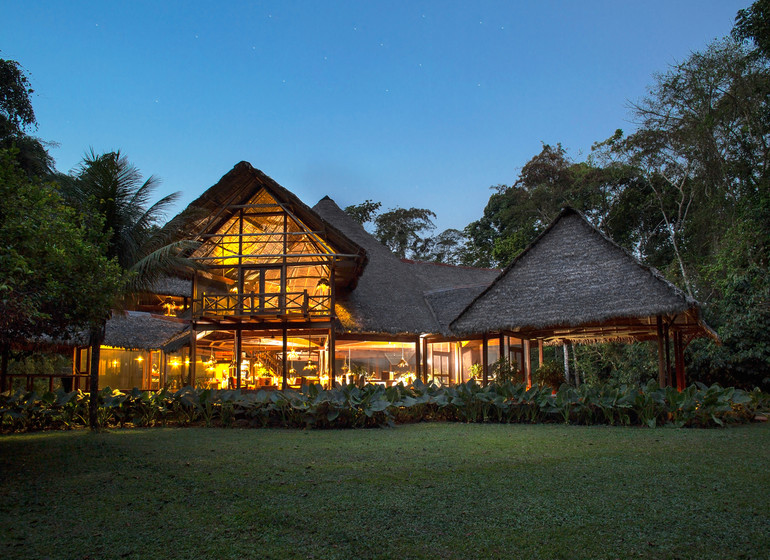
pixel 54 275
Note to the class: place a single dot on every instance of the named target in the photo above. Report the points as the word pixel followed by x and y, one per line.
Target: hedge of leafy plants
pixel 350 406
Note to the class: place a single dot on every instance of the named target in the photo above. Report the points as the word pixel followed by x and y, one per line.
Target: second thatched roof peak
pixel 571 275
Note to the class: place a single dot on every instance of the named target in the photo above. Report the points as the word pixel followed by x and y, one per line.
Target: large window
pixel 263 261
pixel 379 362
pixel 122 369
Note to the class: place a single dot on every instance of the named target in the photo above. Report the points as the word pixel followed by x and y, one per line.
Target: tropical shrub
pixel 549 374
pixel 351 406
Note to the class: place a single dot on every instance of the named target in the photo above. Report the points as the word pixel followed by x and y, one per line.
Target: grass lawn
pixel 415 491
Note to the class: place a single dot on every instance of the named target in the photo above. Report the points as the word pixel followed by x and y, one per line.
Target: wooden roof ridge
pixel 686 302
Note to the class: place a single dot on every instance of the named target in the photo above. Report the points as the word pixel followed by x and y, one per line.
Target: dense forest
pixel 686 192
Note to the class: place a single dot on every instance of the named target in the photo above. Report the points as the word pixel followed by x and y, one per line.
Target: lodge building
pixel 285 294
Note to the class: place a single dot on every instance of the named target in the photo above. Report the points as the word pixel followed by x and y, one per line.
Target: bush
pixel 504 370
pixel 549 374
pixel 350 406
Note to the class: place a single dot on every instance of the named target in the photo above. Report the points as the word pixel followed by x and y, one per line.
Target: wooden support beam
pixel 417 358
pixel 527 365
pixel 565 346
pixel 679 360
pixel 285 361
pixel 539 352
pixel 193 357
pixel 332 364
pixel 485 360
pixel 661 354
pixel 237 360
pixel 425 360
pixel 669 377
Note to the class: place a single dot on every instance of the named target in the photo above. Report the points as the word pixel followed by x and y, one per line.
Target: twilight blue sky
pixel 412 103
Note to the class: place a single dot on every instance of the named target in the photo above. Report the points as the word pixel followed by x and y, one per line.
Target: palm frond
pixel 163 261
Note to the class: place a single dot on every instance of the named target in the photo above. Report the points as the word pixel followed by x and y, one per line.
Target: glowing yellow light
pixel 170 307
pixel 140 359
pixel 323 286
pixel 175 363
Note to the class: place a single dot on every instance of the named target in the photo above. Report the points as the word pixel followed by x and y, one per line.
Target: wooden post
pixel 679 360
pixel 332 361
pixel 417 359
pixel 527 365
pixel 661 354
pixel 669 377
pixel 4 367
pixel 565 345
pixel 237 349
pixel 425 360
pixel 540 352
pixel 485 361
pixel 193 358
pixel 332 316
pixel 285 360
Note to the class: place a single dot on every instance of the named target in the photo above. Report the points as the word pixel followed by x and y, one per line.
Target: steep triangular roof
pixel 573 282
pixel 218 203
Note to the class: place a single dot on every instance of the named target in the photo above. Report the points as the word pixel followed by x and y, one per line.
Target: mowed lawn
pixel 415 491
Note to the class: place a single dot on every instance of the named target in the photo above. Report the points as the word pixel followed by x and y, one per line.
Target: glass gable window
pixel 263 260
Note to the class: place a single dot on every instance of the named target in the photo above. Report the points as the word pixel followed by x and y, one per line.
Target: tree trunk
pixel 96 337
pixel 4 368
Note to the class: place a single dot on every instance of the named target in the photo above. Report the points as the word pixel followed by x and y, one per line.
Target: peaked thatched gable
pixel 574 276
pixel 242 182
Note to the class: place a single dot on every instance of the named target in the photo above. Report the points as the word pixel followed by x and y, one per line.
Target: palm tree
pixel 108 188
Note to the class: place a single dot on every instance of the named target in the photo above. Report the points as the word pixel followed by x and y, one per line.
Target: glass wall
pixel 262 357
pixel 177 369
pixel 122 369
pixel 383 363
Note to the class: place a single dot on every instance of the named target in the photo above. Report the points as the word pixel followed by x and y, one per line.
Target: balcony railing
pixel 271 304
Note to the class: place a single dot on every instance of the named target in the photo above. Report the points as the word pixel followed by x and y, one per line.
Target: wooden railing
pixel 271 304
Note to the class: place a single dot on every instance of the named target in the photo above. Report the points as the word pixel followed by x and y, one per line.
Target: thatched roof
pixel 136 330
pixel 389 296
pixel 242 182
pixel 177 341
pixel 573 282
pixel 448 289
pixel 172 286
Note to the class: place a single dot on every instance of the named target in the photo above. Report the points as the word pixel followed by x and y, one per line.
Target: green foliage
pixel 364 212
pixel 505 370
pixel 447 247
pixel 399 229
pixel 16 117
pixel 16 112
pixel 753 24
pixel 350 406
pixel 47 258
pixel 618 362
pixel 549 374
